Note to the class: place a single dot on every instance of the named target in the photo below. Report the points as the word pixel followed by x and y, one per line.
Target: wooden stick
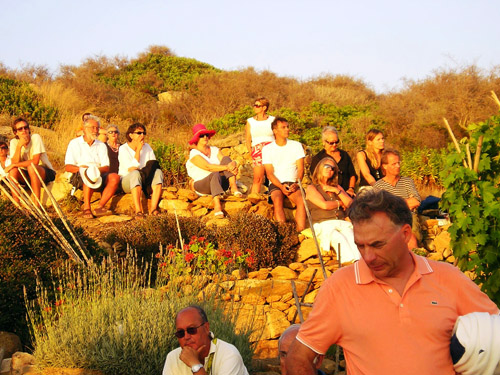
pixel 495 97
pixel 454 140
pixel 469 159
pixel 477 156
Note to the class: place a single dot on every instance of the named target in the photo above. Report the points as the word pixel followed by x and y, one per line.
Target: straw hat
pixel 91 176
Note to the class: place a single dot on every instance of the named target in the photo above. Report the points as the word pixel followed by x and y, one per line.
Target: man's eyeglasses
pixel 93 127
pixel 140 133
pixel 112 131
pixel 330 167
pixel 191 330
pixel 25 127
pixel 258 105
pixel 4 148
pixel 333 143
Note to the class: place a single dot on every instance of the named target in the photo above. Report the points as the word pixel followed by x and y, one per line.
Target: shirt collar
pixel 363 274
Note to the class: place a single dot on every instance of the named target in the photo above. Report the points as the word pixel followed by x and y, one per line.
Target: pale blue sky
pixel 379 41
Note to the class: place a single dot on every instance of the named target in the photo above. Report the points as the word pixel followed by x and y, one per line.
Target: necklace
pixel 115 149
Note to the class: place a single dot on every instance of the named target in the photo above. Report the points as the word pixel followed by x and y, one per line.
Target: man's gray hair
pixel 329 129
pixel 92 117
pixel 369 202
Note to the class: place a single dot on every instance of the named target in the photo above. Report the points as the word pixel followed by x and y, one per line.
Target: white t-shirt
pixel 261 130
pixel 7 163
pixel 80 153
pixel 197 173
pixel 226 361
pixel 126 158
pixel 283 159
pixel 33 148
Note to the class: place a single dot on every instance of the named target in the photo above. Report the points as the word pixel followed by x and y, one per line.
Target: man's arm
pixel 274 180
pixel 300 168
pixel 299 360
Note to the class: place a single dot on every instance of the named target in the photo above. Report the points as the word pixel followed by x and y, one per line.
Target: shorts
pixel 257 153
pixel 50 175
pixel 273 187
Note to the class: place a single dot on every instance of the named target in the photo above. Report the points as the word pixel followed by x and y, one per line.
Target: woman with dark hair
pixel 370 168
pixel 327 202
pixel 258 134
pixel 139 170
pixel 212 172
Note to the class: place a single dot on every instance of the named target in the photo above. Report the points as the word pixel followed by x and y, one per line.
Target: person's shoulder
pixel 36 137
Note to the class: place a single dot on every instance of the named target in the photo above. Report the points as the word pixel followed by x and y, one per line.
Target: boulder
pixel 310 297
pixel 233 208
pixel 308 272
pixel 307 249
pixel 264 209
pixel 442 242
pixel 59 190
pixel 173 204
pixel 168 195
pixel 187 194
pixel 297 266
pixel 276 323
pixel 283 273
pixel 21 363
pixel 205 201
pixel 114 219
pixel 9 343
pixel 241 149
pixel 266 349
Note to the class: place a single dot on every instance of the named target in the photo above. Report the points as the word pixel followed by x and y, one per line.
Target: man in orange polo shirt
pixel 393 312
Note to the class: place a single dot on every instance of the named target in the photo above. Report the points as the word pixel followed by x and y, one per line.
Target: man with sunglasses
pixel 393 312
pixel 199 352
pixel 347 173
pixel 27 155
pixel 87 151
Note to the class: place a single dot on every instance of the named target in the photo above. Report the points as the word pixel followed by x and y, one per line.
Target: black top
pixel 346 167
pixel 319 214
pixel 113 159
pixel 376 173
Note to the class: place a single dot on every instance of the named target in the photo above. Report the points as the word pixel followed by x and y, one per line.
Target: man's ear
pixel 407 232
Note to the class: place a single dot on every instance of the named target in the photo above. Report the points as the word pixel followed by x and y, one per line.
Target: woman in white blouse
pixel 137 169
pixel 211 171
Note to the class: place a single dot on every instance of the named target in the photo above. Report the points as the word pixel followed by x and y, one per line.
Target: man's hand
pixel 232 168
pixel 23 141
pixel 286 190
pixel 190 356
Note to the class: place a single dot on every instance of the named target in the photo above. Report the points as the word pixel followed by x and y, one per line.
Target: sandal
pixel 101 211
pixel 139 216
pixel 219 215
pixel 87 214
pixel 238 194
pixel 155 212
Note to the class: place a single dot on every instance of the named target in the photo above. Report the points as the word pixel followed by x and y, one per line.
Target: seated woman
pixel 370 167
pixel 4 158
pixel 327 201
pixel 113 144
pixel 139 170
pixel 211 171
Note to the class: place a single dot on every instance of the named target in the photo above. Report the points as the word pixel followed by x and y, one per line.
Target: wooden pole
pixel 495 98
pixel 477 156
pixel 457 147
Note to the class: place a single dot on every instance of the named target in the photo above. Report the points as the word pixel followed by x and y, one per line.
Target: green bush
pixel 472 199
pixel 27 251
pixel 232 122
pixel 172 161
pixel 18 99
pixel 424 165
pixel 108 318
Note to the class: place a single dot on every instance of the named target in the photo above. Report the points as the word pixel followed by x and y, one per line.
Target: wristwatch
pixel 196 368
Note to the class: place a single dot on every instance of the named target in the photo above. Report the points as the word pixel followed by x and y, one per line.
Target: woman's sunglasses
pixel 191 330
pixel 140 133
pixel 330 167
pixel 205 135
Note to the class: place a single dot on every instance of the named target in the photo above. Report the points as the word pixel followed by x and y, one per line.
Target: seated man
pixel 27 154
pixel 86 151
pixel 199 352
pixel 402 187
pixel 284 342
pixel 283 161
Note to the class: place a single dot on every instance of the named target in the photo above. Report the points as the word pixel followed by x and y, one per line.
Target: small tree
pixel 472 199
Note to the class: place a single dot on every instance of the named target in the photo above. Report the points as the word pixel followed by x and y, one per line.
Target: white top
pixel 284 159
pixel 7 163
pixel 80 153
pixel 126 158
pixel 227 361
pixel 197 173
pixel 261 130
pixel 31 149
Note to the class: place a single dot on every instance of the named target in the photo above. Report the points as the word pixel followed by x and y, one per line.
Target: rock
pixel 172 189
pixel 307 249
pixel 21 363
pixel 59 190
pixel 10 343
pixel 205 201
pixel 261 274
pixel 168 195
pixel 266 349
pixel 308 272
pixel 447 253
pixel 233 208
pixel 296 266
pixel 169 97
pixel 310 297
pixel 173 204
pixel 68 371
pixel 328 366
pixel 283 273
pixel 442 242
pixel 255 198
pixel 202 211
pixel 241 149
pixel 5 366
pixel 280 306
pixel 187 194
pixel 276 323
pixel 263 208
pixel 114 219
pixel 435 256
pixel 124 204
pixel 217 222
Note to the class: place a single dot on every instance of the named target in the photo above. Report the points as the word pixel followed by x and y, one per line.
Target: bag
pixel 76 181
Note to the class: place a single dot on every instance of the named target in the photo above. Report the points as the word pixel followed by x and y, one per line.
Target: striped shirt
pixel 404 188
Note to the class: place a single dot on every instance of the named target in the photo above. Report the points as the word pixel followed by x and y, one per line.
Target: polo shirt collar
pixel 363 274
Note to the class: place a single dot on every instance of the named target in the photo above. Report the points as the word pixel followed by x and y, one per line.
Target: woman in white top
pixel 137 170
pixel 4 158
pixel 258 134
pixel 211 171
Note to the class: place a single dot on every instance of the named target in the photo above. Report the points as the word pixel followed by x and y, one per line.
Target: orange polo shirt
pixel 383 333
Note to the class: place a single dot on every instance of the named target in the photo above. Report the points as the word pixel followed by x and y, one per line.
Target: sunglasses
pixel 258 105
pixel 140 133
pixel 25 127
pixel 4 148
pixel 333 143
pixel 205 135
pixel 330 167
pixel 191 330
pixel 112 132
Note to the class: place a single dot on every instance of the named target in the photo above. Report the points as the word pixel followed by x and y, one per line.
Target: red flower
pixel 188 257
pixel 169 247
pixel 201 239
pixel 158 255
pixel 163 264
pixel 60 302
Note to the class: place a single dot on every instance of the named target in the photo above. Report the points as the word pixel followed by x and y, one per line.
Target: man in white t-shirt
pixel 87 151
pixel 27 154
pixel 283 160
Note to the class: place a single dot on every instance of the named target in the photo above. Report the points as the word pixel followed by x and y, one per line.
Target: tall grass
pixel 107 317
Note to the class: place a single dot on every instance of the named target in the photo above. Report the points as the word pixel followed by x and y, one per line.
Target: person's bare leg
pixel 87 195
pixel 278 197
pixel 15 175
pixel 136 197
pixel 217 204
pixel 111 185
pixel 258 178
pixel 155 198
pixel 36 185
pixel 232 184
pixel 300 211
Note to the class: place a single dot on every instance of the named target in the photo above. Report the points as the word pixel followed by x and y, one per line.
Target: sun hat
pixel 91 176
pixel 200 129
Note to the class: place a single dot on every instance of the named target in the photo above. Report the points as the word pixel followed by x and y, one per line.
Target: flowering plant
pixel 200 256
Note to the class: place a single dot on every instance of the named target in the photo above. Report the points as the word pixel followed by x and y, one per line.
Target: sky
pixel 381 42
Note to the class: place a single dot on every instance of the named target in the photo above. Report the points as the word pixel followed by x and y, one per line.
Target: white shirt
pixel 197 173
pixel 33 148
pixel 283 159
pixel 126 158
pixel 261 130
pixel 226 361
pixel 80 153
pixel 7 163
